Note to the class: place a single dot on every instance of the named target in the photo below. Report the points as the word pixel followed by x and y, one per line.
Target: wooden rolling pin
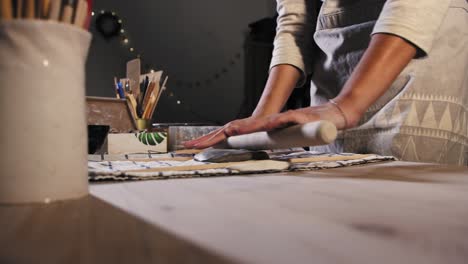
pixel 310 134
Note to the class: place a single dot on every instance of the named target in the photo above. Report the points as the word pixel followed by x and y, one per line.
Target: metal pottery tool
pixel 230 155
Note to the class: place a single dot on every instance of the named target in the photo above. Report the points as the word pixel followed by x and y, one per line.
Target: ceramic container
pixel 43 135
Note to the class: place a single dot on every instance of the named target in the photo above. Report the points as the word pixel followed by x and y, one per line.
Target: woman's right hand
pixel 233 128
pixel 330 112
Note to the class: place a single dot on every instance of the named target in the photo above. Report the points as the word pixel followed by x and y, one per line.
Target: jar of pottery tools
pixel 43 135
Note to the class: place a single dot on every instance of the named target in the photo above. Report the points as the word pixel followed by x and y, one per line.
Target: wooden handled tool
pixel 148 94
pixel 67 13
pixel 54 12
pixel 19 9
pixel 163 88
pixel 89 12
pixel 6 10
pixel 81 13
pixel 310 134
pixel 30 9
pixel 44 8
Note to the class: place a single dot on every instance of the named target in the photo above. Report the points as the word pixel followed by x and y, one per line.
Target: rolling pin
pixel 309 134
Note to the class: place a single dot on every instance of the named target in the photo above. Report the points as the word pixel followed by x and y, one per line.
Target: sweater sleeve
pixel 416 21
pixel 294 35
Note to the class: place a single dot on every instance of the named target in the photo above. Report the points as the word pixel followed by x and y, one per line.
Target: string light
pixel 215 77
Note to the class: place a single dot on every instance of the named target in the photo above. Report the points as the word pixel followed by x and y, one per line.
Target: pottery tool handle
pixel 19 9
pixel 89 12
pixel 44 8
pixel 67 13
pixel 30 9
pixel 6 9
pixel 54 12
pixel 81 13
pixel 310 134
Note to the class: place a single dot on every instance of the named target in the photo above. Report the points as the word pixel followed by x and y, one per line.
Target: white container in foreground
pixel 43 134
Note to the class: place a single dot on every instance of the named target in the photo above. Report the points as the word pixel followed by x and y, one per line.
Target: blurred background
pixel 216 53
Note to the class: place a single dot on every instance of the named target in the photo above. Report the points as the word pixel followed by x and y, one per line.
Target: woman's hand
pixel 327 112
pixel 235 127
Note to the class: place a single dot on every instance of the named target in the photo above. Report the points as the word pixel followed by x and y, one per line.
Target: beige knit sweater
pixel 417 21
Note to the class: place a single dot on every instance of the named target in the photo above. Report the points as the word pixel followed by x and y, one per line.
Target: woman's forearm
pixel 384 59
pixel 281 82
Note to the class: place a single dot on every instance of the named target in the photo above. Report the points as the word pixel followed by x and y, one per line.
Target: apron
pixel 423 115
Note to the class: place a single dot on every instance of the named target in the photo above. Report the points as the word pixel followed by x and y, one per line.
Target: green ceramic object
pixel 151 138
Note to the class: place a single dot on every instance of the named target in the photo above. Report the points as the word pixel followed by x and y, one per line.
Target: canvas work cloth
pixel 423 116
pixel 157 167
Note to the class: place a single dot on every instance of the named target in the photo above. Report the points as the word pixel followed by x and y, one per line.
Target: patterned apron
pixel 423 116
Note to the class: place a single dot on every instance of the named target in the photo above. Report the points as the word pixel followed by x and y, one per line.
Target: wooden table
pixel 392 212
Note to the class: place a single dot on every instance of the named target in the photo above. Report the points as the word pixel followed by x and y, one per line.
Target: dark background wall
pixel 199 44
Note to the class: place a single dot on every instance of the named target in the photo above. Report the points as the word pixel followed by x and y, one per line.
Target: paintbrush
pixel 19 9
pixel 6 10
pixel 88 17
pixel 152 98
pixel 133 103
pixel 38 9
pixel 162 89
pixel 149 106
pixel 54 12
pixel 143 89
pixel 30 9
pixel 67 12
pixel 119 89
pixel 140 97
pixel 116 87
pixel 14 8
pixel 153 107
pixel 44 9
pixel 81 13
pixel 148 93
pixel 124 85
